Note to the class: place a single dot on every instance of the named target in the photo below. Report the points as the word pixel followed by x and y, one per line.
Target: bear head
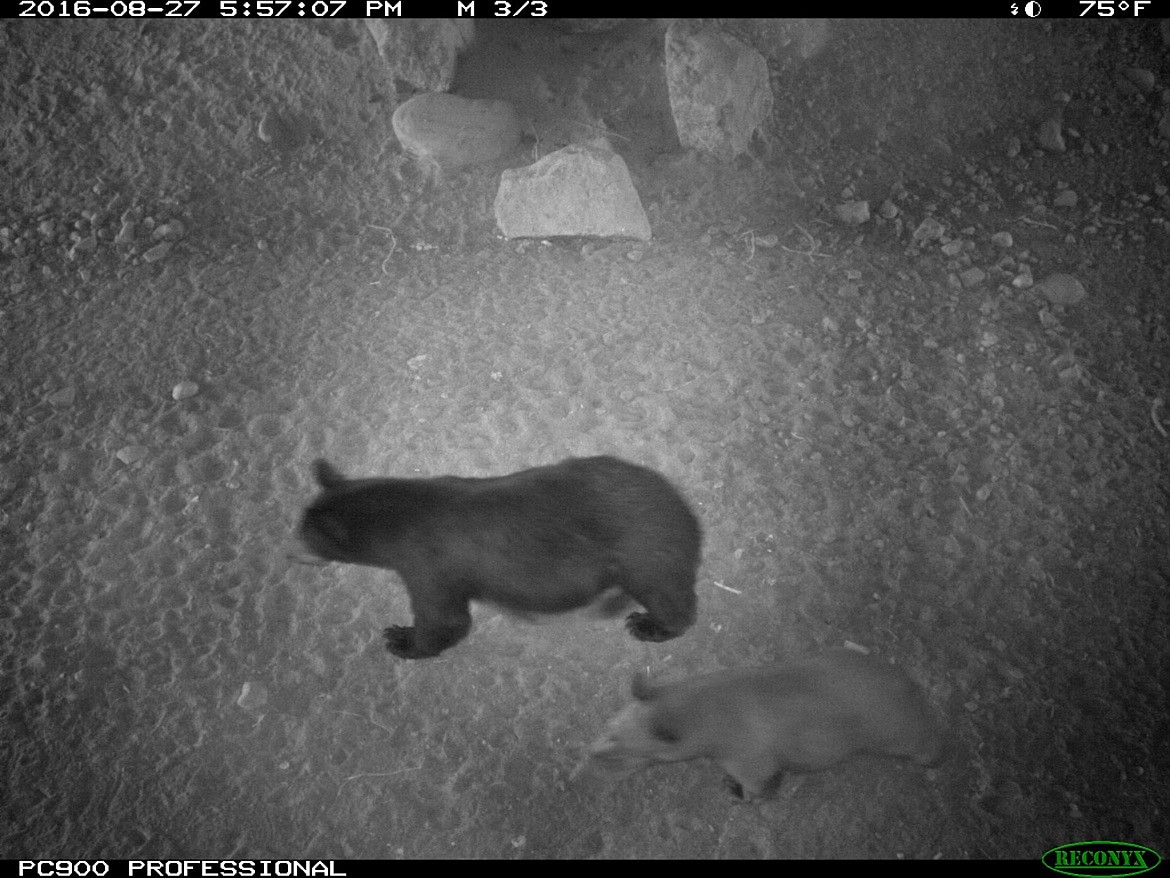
pixel 648 730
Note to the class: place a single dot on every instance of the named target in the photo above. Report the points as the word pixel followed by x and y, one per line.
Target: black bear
pixel 543 540
pixel 758 722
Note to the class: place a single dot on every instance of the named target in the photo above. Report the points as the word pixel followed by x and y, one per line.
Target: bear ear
pixel 642 689
pixel 327 476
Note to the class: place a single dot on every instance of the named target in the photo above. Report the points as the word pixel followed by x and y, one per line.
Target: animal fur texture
pixel 586 531
pixel 758 723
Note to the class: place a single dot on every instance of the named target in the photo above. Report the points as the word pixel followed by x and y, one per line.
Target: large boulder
pixel 454 131
pixel 422 51
pixel 719 88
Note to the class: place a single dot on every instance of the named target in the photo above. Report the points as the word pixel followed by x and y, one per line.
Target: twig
pixel 1157 404
pixel 600 128
pixel 750 234
pixel 1030 221
pixel 813 244
pixel 393 244
pixel 372 774
pixel 368 719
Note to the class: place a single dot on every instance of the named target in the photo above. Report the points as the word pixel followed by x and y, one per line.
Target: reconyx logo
pixel 1094 859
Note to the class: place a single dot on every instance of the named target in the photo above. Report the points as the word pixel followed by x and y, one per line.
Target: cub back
pixel 804 715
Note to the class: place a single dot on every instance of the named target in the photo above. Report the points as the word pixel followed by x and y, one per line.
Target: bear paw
pixel 733 786
pixel 643 627
pixel 400 641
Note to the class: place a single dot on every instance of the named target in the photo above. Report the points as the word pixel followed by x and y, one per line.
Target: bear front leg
pixel 669 602
pixel 434 630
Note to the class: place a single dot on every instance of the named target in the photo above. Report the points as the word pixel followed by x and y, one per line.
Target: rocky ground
pixel 890 440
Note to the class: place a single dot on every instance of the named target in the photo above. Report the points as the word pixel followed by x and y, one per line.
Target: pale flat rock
pixel 578 190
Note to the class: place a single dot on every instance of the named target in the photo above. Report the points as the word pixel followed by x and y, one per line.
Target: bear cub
pixel 757 723
pixel 544 540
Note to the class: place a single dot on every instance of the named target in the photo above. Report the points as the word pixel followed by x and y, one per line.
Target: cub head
pixel 646 731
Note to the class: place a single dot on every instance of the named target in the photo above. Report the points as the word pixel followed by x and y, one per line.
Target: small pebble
pixel 157 252
pixel 131 454
pixel 184 389
pixel 253 696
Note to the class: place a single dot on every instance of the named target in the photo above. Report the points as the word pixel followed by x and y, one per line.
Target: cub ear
pixel 642 689
pixel 327 476
pixel 664 730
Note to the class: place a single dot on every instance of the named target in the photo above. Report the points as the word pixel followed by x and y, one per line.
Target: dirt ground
pixel 955 474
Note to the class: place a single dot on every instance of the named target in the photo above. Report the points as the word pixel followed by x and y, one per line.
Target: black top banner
pixel 1023 10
